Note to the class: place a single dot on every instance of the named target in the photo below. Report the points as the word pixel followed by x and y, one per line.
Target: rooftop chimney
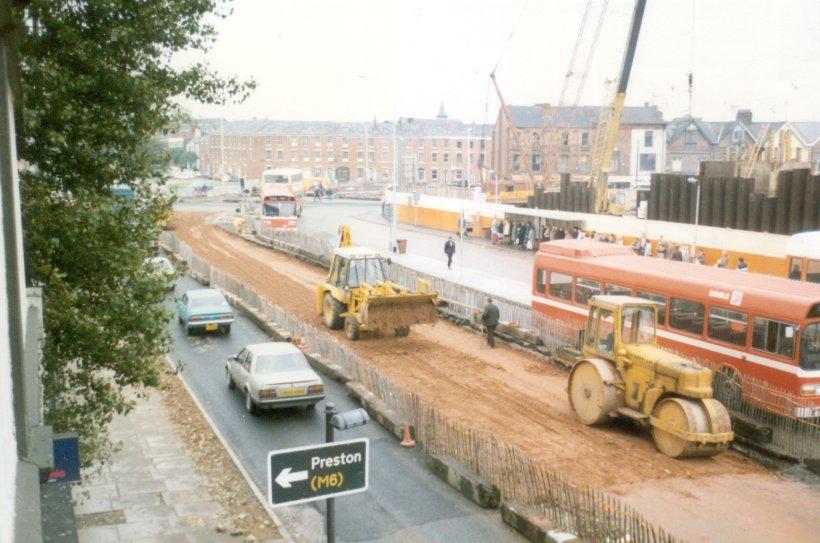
pixel 744 116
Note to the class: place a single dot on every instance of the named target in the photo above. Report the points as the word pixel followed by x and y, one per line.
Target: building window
pixel 536 163
pixel 385 174
pixel 420 175
pixel 458 174
pixel 304 140
pixel 317 140
pixel 583 163
pixel 267 140
pixel 481 159
pixel 647 162
pixel 345 156
pixel 434 175
pixel 565 139
pixel 294 156
pixel 344 142
pixel 330 156
pixel 268 154
pixel 360 173
pixel 563 164
pixel 371 156
pixel 360 142
pixel 689 136
pixel 372 141
pixel 516 163
pixel 280 140
pixel 737 135
pixel 359 156
pixel 317 172
pixel 482 144
pixel 471 144
pixel 330 141
pixel 305 155
pixel 435 157
pixel 446 157
pixel 458 158
pixel 294 141
pixel 280 155
pixel 385 157
pixel 648 137
pixel 317 155
pixel 421 155
pixel 584 139
pixel 677 164
pixel 458 144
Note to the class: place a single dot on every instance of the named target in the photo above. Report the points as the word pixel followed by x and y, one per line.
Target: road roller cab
pixel 622 372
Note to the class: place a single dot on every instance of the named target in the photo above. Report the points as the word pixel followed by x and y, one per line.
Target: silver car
pixel 273 375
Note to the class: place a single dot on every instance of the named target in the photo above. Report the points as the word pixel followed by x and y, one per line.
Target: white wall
pixel 637 147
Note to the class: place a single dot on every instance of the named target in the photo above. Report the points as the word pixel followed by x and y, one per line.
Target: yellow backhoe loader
pixel 357 296
pixel 621 371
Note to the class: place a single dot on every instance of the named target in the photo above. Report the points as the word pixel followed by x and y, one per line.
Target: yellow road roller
pixel 621 372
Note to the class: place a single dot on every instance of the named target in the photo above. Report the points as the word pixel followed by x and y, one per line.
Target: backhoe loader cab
pixel 357 296
pixel 622 372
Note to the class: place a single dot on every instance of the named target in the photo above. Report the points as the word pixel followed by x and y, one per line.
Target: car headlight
pixel 810 390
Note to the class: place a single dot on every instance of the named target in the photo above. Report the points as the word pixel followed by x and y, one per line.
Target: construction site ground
pixel 522 399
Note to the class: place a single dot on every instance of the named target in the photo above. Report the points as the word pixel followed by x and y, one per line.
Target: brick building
pixel 692 140
pixel 434 151
pixel 640 147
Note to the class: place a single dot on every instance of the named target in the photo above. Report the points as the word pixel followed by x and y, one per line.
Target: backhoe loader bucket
pixel 390 312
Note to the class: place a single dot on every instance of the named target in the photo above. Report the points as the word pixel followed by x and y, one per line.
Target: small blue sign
pixel 66 458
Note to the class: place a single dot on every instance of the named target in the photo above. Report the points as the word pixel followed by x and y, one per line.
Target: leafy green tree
pixel 98 82
pixel 182 158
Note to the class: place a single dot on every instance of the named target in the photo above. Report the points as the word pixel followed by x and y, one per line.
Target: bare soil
pixel 522 399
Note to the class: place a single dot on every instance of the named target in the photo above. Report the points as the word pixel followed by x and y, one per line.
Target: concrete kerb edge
pixel 471 485
pixel 532 525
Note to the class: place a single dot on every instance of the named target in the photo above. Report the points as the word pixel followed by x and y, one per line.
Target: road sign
pixel 317 472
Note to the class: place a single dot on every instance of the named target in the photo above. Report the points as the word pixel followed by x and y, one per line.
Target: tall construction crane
pixel 523 156
pixel 602 159
pixel 574 80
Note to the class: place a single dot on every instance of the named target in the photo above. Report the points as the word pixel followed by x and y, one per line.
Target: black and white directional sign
pixel 316 472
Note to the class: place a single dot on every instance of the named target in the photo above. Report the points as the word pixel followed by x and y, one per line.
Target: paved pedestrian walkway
pixel 150 491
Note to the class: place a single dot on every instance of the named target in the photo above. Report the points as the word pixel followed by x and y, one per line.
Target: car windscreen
pixel 275 363
pixel 208 301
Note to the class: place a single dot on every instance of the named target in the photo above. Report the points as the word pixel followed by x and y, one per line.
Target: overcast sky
pixel 359 59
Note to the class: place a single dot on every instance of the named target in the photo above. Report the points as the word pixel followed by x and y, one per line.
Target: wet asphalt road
pixel 405 501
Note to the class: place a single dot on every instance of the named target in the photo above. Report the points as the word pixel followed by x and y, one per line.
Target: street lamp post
pixel 697 212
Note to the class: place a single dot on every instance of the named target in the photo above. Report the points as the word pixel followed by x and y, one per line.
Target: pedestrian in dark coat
pixel 449 250
pixel 489 318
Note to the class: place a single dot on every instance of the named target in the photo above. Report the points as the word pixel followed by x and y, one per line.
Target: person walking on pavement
pixel 489 318
pixel 450 250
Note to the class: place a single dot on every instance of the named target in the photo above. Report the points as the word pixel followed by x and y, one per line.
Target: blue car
pixel 205 310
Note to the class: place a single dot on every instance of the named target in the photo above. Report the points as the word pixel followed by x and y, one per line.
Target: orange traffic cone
pixel 407 441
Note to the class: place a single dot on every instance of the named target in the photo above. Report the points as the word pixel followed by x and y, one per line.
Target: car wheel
pixel 189 330
pixel 179 318
pixel 250 407
pixel 226 329
pixel 352 331
pixel 229 379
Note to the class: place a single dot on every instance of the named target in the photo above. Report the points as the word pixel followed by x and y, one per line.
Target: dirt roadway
pixel 523 401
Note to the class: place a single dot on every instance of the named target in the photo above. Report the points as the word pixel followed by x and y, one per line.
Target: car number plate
pixel 212 326
pixel 293 392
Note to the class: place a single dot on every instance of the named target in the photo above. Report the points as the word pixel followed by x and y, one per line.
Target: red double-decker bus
pixel 741 324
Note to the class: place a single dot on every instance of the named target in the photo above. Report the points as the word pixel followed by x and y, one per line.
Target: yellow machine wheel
pixel 331 309
pixel 689 416
pixel 352 330
pixel 591 394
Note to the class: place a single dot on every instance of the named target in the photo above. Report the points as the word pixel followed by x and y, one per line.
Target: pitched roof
pixel 580 117
pixel 436 128
pixel 809 131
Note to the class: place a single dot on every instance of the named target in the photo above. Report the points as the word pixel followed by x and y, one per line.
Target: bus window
pixel 686 315
pixel 561 286
pixel 773 337
pixel 810 347
pixel 541 280
pixel 585 289
pixel 726 325
pixel 637 325
pixel 661 301
pixel 813 271
pixel 617 290
pixel 796 268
